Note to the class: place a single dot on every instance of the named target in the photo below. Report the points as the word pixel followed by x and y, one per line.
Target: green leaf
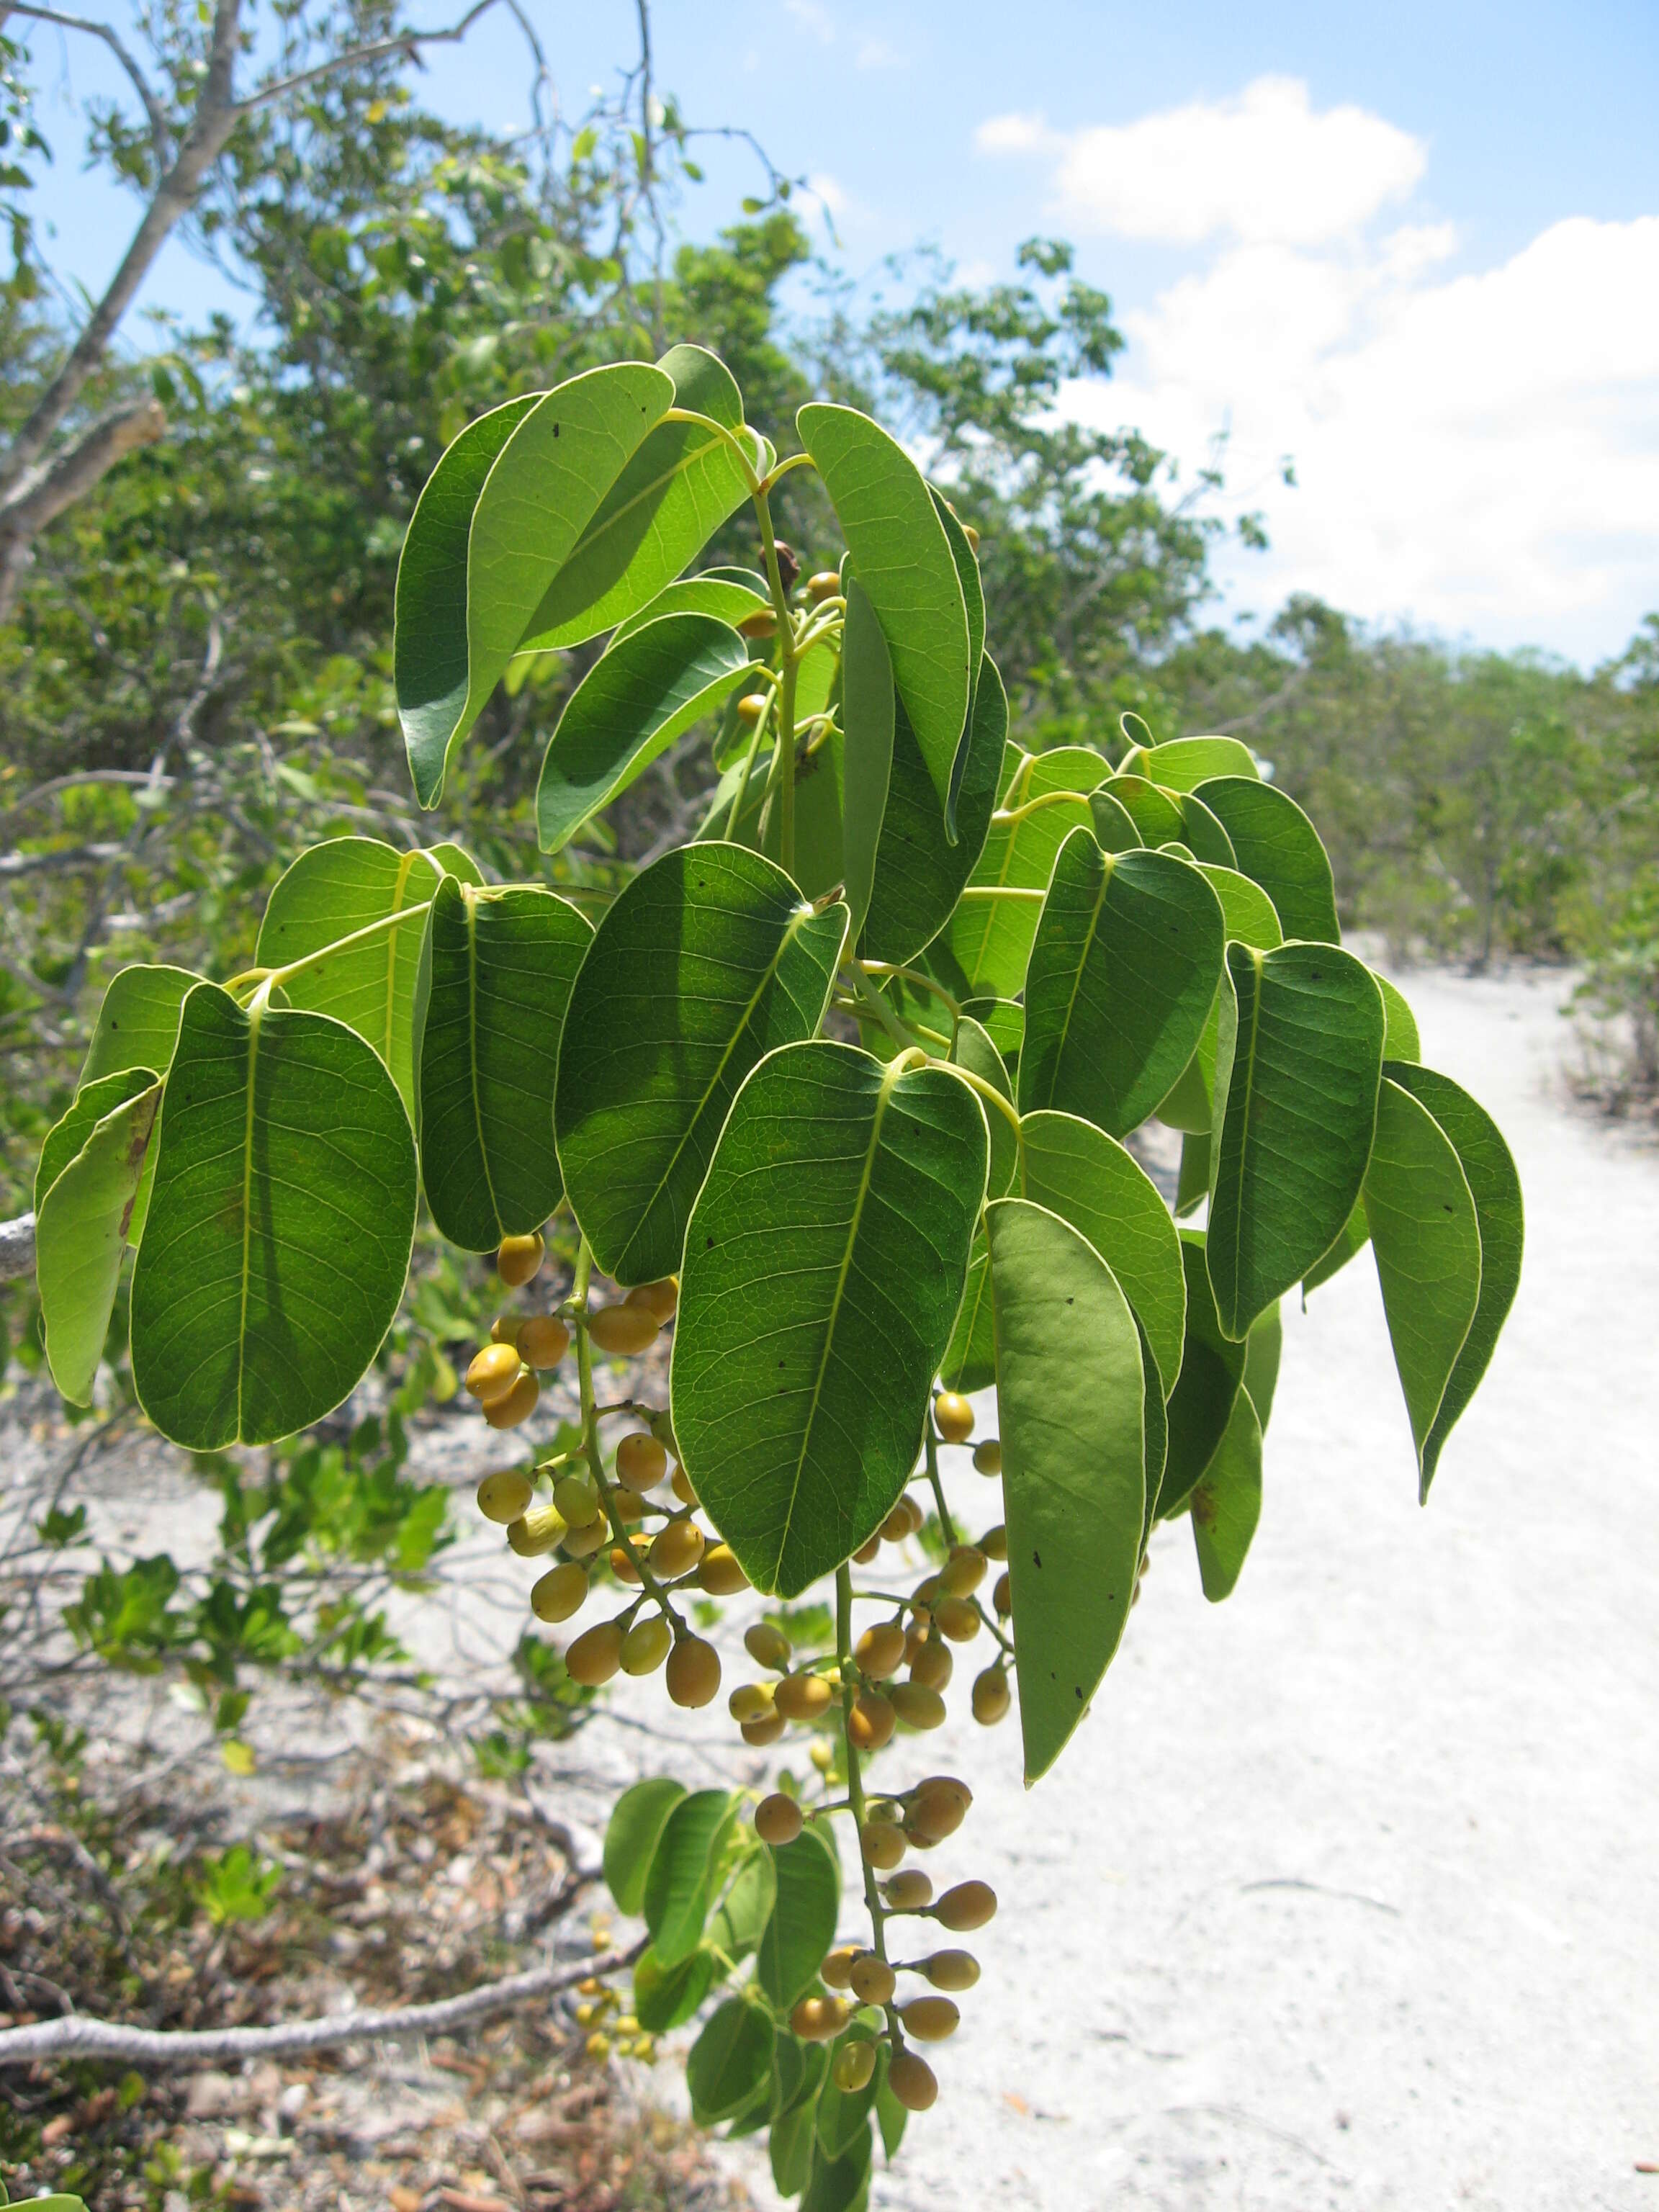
pixel 684 1871
pixel 1262 1348
pixel 429 635
pixel 844 2114
pixel 496 972
pixel 632 1834
pixel 794 2134
pixel 1400 1037
pixel 137 1025
pixel 989 940
pixel 673 494
pixel 666 1998
pixel 1278 847
pixel 1069 1395
pixel 970 1358
pixel 1113 825
pixel 1087 1178
pixel 1350 1240
pixel 91 1103
pixel 903 560
pixel 542 490
pixel 1226 1501
pixel 280 1225
pixel 972 600
pixel 1184 763
pixel 1203 836
pixel 840 2185
pixel 1192 1183
pixel 626 712
pixel 1155 814
pixel 1495 1187
pixel 1426 1237
pixel 973 1050
pixel 867 715
pixel 891 2117
pixel 730 2062
pixel 81 1231
pixel 802 1925
pixel 344 884
pixel 722 597
pixel 1249 915
pixel 704 963
pixel 742 1914
pixel 918 875
pixel 1298 1069
pixel 824 1266
pixel 1202 1403
pixel 1120 981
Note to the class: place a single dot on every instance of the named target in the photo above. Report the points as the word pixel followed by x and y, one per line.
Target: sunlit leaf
pixel 1226 1501
pixel 81 1229
pixel 1278 847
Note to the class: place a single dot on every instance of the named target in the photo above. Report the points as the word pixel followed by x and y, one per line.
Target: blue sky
pixel 1416 253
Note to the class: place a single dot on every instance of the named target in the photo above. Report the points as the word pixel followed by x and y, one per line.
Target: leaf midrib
pixel 254 1016
pixel 470 907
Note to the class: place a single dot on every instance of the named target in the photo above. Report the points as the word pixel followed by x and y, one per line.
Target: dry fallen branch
pixel 78 2037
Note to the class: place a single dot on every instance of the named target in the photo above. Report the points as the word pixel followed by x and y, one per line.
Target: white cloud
pixel 829 192
pixel 1263 167
pixel 1475 450
pixel 877 53
pixel 816 21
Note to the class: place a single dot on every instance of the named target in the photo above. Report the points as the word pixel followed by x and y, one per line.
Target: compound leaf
pixel 824 1262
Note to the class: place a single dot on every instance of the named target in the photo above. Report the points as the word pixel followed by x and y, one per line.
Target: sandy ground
pixel 1346 1894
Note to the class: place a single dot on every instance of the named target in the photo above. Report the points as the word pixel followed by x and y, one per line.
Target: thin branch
pixel 160 137
pixel 40 496
pixel 406 43
pixel 78 2037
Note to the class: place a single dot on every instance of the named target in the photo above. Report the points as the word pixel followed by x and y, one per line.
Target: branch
pixel 72 856
pixel 78 2037
pixel 16 1248
pixel 159 137
pixel 41 496
pixel 406 43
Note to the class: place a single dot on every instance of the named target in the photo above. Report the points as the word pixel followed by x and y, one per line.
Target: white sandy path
pixel 1346 1894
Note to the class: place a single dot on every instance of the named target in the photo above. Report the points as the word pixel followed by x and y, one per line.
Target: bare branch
pixel 75 2037
pixel 39 498
pixel 13 864
pixel 16 1248
pixel 406 43
pixel 160 137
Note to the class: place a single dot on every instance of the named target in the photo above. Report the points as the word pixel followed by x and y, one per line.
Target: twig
pixel 79 2037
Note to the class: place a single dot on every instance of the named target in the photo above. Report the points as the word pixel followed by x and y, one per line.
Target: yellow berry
pixel 719 1573
pixel 767 1644
pixel 931 2020
pixel 752 706
pixel 642 1462
pixel 873 1980
pixel 519 1258
pixel 694 1672
pixel 908 1890
pixel 623 1331
pixel 677 1550
pixel 968 1907
pixel 628 1505
pixel 951 1970
pixel 953 1416
pixel 542 1341
pixel 932 1666
pixel 503 1496
pixel 990 1697
pixel 822 1754
pixel 964 1571
pixel 646 1646
pixel 880 1650
pixel 536 1530
pixel 622 1566
pixel 855 2063
pixel 595 1655
pixel 492 1372
pixel 518 1405
pixel 577 1497
pixel 763 623
pixel 599 2046
pixel 994 1543
pixel 882 1844
pixel 660 1298
pixel 958 1619
pixel 871 1721
pixel 562 1591
pixel 916 1706
pixel 764 1731
pixel 777 1818
pixel 987 1456
pixel 836 1972
pixel 824 586
pixel 1002 1597
pixel 804 1697
pixel 971 535
pixel 581 1543
pixel 867 1551
pixel 750 1701
pixel 903 1521
pixel 504 1329
pixel 912 2081
pixel 817 2019
pixel 681 1486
